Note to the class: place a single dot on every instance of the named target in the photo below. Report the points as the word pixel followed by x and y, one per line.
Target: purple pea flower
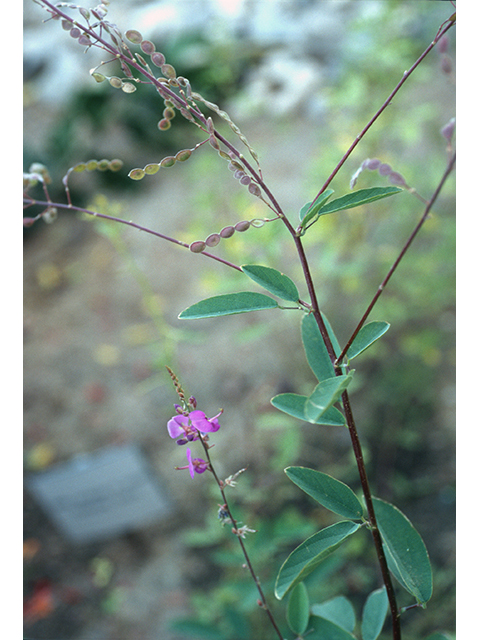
pixel 195 465
pixel 187 428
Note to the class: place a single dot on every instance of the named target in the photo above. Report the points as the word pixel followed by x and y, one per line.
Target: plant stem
pixel 394 266
pixel 248 562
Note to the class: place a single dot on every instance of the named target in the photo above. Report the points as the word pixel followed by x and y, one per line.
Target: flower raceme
pixel 186 428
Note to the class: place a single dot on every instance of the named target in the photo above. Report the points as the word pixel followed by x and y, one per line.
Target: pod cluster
pixel 227 232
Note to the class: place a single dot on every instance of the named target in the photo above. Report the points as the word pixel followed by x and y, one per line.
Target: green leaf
pixel 439 636
pixel 338 610
pixel 357 198
pixel 272 280
pixel 228 304
pixel 309 210
pixel 298 609
pixel 315 349
pixel 407 556
pixel 325 394
pixel 367 335
pixel 324 629
pixel 328 491
pixel 198 630
pixel 374 613
pixel 307 556
pixel 294 405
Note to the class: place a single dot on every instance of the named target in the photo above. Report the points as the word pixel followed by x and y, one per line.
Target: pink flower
pixel 195 465
pixel 188 428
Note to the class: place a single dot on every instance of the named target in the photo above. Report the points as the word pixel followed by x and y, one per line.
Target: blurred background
pixel 118 544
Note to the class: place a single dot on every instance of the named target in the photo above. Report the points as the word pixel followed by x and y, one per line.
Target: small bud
pixel 448 129
pixel 50 215
pixel 38 167
pixel 167 162
pixel 442 44
pixel 27 222
pixel 136 174
pixel 157 58
pixel 197 247
pixel 242 226
pixel 227 232
pixel 147 47
pixel 134 36
pixel 212 240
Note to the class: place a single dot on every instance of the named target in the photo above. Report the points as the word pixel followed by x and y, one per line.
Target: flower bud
pixel 27 222
pixel 212 240
pixel 243 225
pixel 50 215
pixel 197 247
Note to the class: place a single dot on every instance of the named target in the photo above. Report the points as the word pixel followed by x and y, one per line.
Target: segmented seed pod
pixel 243 225
pixel 103 165
pixel 81 166
pixel 115 164
pixel 397 179
pixel 157 58
pixel 257 223
pixel 227 232
pixel 167 162
pixel 254 189
pixel 168 71
pixel 183 155
pixel 147 47
pixel 136 174
pixel 91 165
pixel 67 25
pixel 75 32
pixel 384 169
pixel 98 77
pixel 212 240
pixel 169 113
pixel 115 82
pixel 84 40
pixel 128 87
pixel 134 36
pixel 151 169
pixel 164 124
pixel 198 246
pixel 245 180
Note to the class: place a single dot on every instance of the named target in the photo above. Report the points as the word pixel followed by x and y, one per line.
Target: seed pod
pixel 227 232
pixel 167 162
pixel 442 44
pixel 448 129
pixel 134 36
pixel 254 189
pixel 157 58
pixel 136 174
pixel 115 164
pixel 183 155
pixel 91 165
pixel 151 169
pixel 238 174
pixel 257 223
pixel 213 142
pixel 169 113
pixel 384 169
pixel 103 165
pixel 67 25
pixel 164 124
pixel 128 87
pixel 115 82
pixel 168 71
pixel 81 166
pixel 147 47
pixel 84 40
pixel 75 32
pixel 212 240
pixel 197 247
pixel 98 77
pixel 245 180
pixel 371 164
pixel 243 225
pixel 84 12
pixel 397 179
